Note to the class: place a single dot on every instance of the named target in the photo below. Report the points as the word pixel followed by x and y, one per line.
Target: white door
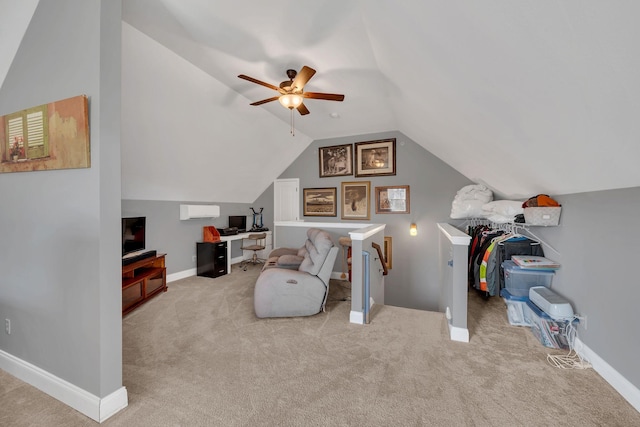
pixel 286 200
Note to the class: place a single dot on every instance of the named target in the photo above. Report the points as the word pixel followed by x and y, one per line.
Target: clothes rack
pixel 509 227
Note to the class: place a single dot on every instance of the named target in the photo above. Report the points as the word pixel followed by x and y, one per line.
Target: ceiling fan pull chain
pixel 293 132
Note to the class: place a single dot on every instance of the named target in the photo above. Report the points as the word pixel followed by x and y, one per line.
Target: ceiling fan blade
pixel 264 101
pixel 252 80
pixel 326 96
pixel 302 110
pixel 302 78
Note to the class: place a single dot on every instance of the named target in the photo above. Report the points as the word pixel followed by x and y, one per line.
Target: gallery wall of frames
pixel 360 160
pixel 355 163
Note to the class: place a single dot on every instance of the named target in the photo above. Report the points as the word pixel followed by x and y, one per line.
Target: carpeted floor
pixel 198 356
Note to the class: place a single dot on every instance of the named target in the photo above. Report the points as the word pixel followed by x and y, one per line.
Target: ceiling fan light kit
pixel 291 91
pixel 290 100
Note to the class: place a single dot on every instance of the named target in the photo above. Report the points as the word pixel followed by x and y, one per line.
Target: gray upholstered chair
pixel 286 290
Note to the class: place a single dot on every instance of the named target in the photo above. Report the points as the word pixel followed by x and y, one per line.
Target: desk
pixel 261 254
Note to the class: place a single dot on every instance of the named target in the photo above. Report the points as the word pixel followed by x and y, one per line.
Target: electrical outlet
pixel 193 259
pixel 7 326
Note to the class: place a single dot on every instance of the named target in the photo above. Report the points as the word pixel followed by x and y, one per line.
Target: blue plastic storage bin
pixel 551 333
pixel 518 280
pixel 516 307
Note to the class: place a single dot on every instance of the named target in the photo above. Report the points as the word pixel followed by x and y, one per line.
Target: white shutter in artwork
pixel 15 129
pixel 35 129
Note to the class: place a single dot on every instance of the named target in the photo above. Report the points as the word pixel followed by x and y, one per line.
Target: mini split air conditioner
pixel 199 211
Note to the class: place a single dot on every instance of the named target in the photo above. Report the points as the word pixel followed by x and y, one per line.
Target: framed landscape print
pixel 393 199
pixel 376 158
pixel 320 201
pixel 355 200
pixel 336 160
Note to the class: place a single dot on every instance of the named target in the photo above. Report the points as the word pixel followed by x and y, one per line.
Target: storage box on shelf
pixel 518 280
pixel 542 215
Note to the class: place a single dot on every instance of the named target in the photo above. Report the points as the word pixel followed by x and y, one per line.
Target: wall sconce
pixel 413 229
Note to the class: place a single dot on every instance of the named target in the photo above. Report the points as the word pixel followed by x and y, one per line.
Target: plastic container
pixel 516 307
pixel 518 280
pixel 551 333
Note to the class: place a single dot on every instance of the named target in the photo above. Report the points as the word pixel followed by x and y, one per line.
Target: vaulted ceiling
pixel 527 97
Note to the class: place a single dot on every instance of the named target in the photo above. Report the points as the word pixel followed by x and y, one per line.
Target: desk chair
pixel 255 243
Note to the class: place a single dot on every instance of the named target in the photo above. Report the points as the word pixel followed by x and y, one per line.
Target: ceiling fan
pixel 291 91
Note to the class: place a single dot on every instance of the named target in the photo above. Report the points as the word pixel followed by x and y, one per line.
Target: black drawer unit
pixel 212 259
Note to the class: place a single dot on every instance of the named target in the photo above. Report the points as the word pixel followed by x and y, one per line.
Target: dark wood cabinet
pixel 212 259
pixel 142 280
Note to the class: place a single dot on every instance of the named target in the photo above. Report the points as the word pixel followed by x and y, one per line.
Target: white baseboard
pixel 627 390
pixel 79 399
pixel 181 275
pixel 337 275
pixel 356 317
pixel 113 403
pixel 458 334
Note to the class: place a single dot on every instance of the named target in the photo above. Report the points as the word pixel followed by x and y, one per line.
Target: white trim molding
pixel 454 235
pixel 458 334
pixel 623 386
pixel 320 224
pixel 357 317
pixel 181 275
pixel 79 399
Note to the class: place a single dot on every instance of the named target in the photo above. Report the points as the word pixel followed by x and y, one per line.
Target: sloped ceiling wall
pixel 526 97
pixel 14 20
pixel 185 138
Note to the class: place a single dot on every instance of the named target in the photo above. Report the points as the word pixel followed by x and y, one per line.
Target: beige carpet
pixel 198 356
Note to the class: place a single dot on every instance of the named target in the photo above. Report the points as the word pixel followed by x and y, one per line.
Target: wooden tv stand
pixel 142 280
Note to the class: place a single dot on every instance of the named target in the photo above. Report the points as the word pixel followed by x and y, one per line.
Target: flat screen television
pixel 133 234
pixel 238 221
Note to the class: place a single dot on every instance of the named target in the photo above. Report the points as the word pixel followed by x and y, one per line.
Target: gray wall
pixel 410 283
pixel 413 280
pixel 598 245
pixel 60 263
pixel 166 233
pixel 596 239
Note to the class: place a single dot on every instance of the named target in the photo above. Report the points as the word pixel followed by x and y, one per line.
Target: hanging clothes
pixel 488 249
pixel 515 246
pixel 488 276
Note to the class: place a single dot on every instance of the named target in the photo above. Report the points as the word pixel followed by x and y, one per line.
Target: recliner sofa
pixel 295 282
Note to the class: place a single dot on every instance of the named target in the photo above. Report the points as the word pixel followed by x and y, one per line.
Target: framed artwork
pixel 393 199
pixel 387 252
pixel 376 158
pixel 336 160
pixel 46 137
pixel 320 201
pixel 355 200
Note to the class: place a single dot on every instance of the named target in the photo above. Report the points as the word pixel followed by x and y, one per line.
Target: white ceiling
pixel 527 97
